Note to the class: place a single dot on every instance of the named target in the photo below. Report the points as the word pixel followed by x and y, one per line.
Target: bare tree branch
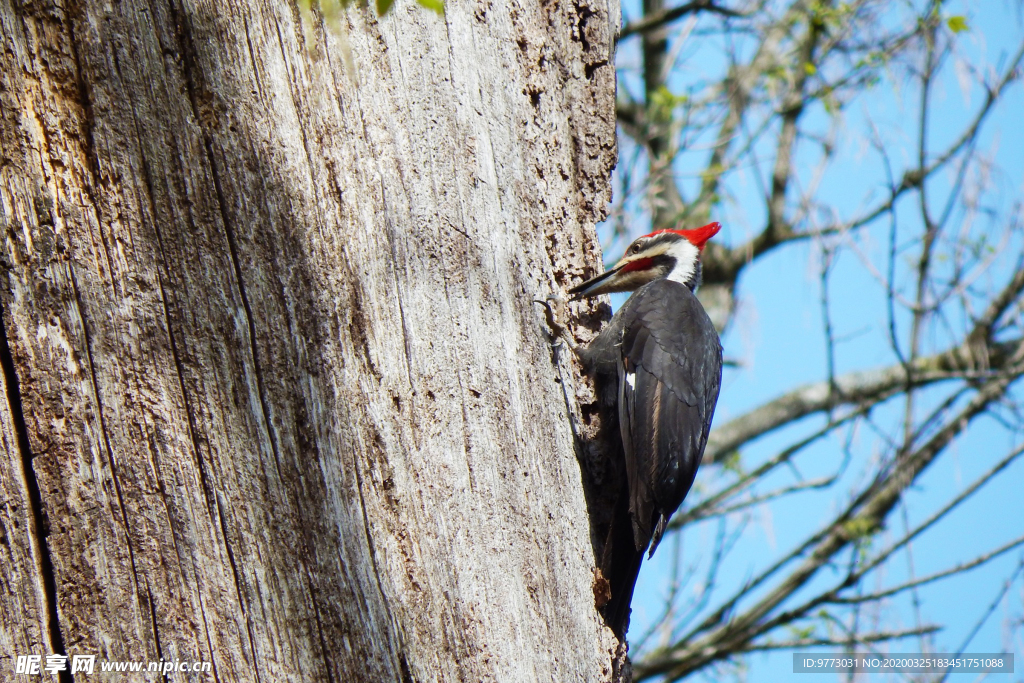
pixel 659 19
pixel 723 264
pixel 878 637
pixel 866 387
pixel 957 569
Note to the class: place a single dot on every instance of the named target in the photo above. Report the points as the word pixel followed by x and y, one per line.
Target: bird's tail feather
pixel 622 568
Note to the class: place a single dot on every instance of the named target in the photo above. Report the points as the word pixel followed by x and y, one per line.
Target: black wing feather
pixel 668 386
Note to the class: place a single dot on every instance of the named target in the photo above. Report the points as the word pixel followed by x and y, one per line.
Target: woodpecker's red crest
pixel 670 254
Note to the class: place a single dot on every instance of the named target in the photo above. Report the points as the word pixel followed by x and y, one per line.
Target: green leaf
pixel 860 528
pixel 810 69
pixel 957 23
pixel 828 100
pixel 731 462
pixel 383 6
pixel 434 5
pixel 801 633
pixel 712 172
pixel 661 104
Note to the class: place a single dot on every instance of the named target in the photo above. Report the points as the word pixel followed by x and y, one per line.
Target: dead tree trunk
pixel 277 397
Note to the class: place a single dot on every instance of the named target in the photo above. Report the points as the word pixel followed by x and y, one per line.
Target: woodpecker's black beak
pixel 595 285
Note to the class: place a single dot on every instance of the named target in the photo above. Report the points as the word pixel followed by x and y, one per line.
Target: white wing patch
pixel 631 380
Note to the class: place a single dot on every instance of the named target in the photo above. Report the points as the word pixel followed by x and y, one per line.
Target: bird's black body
pixel 658 369
pixel 662 340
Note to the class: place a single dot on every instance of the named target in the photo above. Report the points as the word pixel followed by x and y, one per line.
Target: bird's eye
pixel 635 249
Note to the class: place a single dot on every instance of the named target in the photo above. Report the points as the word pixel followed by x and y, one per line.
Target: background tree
pixel 858 142
pixel 276 394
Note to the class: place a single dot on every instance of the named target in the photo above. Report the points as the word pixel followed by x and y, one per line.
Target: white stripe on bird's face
pixel 686 256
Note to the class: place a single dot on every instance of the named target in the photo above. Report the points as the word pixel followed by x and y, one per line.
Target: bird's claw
pixel 554 315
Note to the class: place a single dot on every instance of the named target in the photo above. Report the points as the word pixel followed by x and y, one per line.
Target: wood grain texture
pixel 277 397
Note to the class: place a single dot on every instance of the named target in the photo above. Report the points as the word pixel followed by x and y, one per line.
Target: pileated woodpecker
pixel 660 361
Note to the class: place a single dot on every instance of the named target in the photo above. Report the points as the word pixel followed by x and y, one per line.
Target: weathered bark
pixel 277 397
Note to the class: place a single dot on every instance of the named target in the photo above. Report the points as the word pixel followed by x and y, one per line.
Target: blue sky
pixel 777 334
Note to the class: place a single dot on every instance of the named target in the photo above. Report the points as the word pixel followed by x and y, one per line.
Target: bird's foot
pixel 554 314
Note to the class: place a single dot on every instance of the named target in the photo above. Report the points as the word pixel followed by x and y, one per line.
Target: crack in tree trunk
pixel 38 526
